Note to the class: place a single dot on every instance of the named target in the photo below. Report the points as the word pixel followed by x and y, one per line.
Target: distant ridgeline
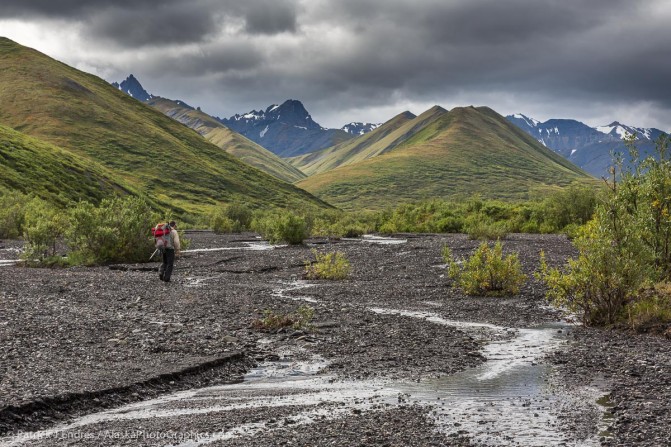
pixel 588 147
pixel 438 154
pixel 69 135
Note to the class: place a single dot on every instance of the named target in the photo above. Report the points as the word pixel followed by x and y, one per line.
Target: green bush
pixel 118 230
pixel 486 272
pixel 331 266
pixel 43 227
pixel 341 224
pixel 650 311
pixel 602 279
pixel 220 223
pixel 12 214
pixel 481 228
pixel 572 206
pixel 231 218
pixel 300 319
pixel 281 226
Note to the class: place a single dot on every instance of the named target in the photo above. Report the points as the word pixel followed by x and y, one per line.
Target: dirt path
pixel 77 341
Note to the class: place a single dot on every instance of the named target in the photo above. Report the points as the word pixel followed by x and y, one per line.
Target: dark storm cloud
pixel 132 23
pixel 598 49
pixel 362 53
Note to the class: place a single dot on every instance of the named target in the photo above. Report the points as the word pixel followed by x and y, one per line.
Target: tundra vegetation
pixel 487 272
pixel 300 319
pixel 623 269
pixel 333 266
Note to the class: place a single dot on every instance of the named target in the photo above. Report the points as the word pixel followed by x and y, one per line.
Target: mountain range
pixel 72 135
pixel 588 147
pixel 228 140
pixel 407 158
pixel 286 129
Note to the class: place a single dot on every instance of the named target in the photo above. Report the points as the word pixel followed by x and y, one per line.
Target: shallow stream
pixel 510 399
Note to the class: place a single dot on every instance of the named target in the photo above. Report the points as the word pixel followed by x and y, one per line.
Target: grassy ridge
pixel 456 154
pixel 57 175
pixel 151 152
pixel 232 142
pixel 352 151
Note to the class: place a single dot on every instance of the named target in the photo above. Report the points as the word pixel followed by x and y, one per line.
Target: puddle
pixel 253 246
pixel 290 286
pixel 433 318
pixel 283 370
pixel 192 281
pixel 373 239
pixel 607 418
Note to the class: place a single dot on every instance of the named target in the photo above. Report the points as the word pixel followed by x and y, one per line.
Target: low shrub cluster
pixel 231 218
pixel 562 211
pixel 300 320
pixel 624 250
pixel 487 272
pixel 12 214
pixel 117 230
pixel 331 266
pixel 43 227
pixel 281 226
pixel 650 310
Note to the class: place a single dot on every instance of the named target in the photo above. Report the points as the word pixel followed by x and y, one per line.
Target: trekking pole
pixel 152 255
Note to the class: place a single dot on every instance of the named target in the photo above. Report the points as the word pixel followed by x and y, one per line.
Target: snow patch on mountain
pixel 357 128
pixel 530 121
pixel 263 132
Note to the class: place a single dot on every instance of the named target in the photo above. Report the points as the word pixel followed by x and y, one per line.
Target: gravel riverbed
pixel 83 341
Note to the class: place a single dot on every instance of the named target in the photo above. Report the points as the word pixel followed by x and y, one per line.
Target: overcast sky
pixel 368 60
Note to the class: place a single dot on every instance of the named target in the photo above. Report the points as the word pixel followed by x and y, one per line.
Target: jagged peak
pixel 132 87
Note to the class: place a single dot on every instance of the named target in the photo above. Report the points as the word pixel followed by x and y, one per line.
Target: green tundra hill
pixel 442 154
pixel 355 150
pixel 232 142
pixel 28 165
pixel 147 151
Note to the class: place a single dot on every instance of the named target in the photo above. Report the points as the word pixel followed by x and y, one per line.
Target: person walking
pixel 172 248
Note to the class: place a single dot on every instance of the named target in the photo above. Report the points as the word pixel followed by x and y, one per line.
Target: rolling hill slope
pixel 232 142
pixel 32 166
pixel 358 149
pixel 149 151
pixel 447 154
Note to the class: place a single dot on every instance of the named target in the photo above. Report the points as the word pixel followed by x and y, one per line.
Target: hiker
pixel 172 247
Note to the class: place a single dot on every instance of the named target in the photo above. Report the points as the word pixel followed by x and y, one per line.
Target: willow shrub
pixel 331 266
pixel 281 226
pixel 43 227
pixel 231 218
pixel 650 311
pixel 118 230
pixel 487 272
pixel 12 214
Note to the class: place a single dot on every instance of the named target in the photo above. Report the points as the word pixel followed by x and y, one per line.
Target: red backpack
pixel 161 233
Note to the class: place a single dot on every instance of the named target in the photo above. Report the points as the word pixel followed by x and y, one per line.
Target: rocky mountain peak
pixel 132 87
